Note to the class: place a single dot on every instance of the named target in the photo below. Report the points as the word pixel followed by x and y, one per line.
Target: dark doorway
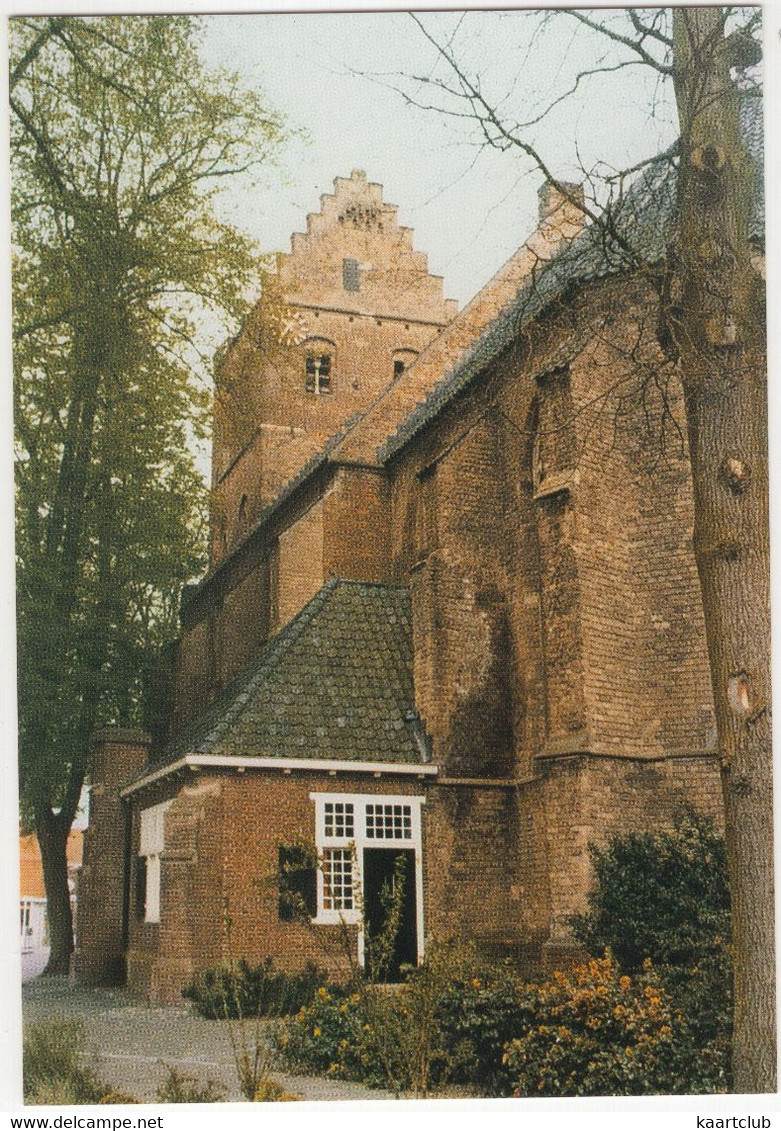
pixel 382 869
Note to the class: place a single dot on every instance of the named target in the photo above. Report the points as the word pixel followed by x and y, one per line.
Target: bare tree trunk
pixel 719 329
pixel 52 831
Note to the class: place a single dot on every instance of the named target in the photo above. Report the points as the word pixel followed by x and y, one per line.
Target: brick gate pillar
pixel 117 756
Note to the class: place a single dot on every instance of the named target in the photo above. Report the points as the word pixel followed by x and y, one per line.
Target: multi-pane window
pixel 318 373
pixel 339 819
pixel 388 822
pixel 338 879
pixel 348 827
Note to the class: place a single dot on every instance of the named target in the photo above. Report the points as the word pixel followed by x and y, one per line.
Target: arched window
pixel 402 359
pixel 319 358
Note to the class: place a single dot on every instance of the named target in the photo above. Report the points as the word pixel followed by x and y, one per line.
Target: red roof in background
pixel 31 869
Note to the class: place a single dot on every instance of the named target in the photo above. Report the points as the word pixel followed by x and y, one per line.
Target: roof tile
pixel 336 682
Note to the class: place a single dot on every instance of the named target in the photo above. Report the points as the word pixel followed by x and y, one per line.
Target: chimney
pixel 561 214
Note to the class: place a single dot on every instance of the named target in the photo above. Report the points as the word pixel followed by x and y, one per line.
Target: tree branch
pixel 632 44
pixel 53 24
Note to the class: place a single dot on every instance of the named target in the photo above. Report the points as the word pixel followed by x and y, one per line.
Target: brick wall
pixel 344 529
pixel 300 572
pixel 562 493
pixel 486 882
pixel 505 864
pixel 219 876
pixel 484 874
pixel 356 528
pixel 267 425
pixel 647 683
pixel 588 799
pixel 116 756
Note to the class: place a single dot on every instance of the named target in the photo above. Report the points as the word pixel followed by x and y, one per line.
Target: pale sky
pixel 333 75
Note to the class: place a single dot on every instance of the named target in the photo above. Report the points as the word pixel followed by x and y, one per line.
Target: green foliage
pixel 180 1088
pixel 665 896
pixel 120 141
pixel 603 1033
pixel 270 1091
pixel 599 1031
pixel 240 990
pixel 660 895
pixel 479 1014
pixel 53 1069
pixel 117 1097
pixel 405 1038
pixel 325 1037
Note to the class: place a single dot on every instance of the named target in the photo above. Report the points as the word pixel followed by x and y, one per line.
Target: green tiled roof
pixel 334 683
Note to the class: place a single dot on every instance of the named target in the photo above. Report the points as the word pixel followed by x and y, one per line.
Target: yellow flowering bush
pixel 598 1032
pixel 665 896
pixel 325 1036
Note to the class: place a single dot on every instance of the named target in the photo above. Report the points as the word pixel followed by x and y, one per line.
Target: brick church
pixel 451 630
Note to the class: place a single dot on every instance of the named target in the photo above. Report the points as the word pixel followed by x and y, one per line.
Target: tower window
pixel 398 367
pixel 351 280
pixel 318 373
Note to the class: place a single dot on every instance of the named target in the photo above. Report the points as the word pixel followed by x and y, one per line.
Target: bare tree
pixel 712 311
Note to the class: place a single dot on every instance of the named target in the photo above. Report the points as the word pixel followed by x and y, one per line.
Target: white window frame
pixel 151 847
pixel 357 843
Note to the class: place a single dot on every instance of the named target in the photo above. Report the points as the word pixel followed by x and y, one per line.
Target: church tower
pixel 348 309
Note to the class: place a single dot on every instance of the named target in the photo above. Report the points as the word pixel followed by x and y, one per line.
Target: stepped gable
pixel 562 253
pixel 334 683
pixel 392 279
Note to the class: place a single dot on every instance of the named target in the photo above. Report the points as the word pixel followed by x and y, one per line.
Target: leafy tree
pixel 713 315
pixel 120 141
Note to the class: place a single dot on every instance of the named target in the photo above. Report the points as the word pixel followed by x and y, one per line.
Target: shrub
pixel 404 1038
pixel 271 1091
pixel 659 895
pixel 479 1014
pixel 404 1045
pixel 239 990
pixel 325 1037
pixel 180 1088
pixel 665 896
pixel 600 1033
pixel 53 1072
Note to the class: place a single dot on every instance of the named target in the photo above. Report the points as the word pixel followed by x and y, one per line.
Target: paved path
pixel 132 1045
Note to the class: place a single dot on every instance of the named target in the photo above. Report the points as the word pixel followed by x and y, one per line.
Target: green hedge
pixel 240 990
